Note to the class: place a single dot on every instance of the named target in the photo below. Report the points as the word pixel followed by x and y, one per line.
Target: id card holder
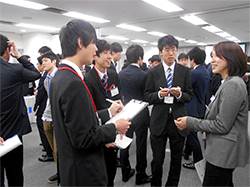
pixel 114 91
pixel 169 100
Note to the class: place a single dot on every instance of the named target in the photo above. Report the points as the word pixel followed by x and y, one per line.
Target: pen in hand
pixel 113 102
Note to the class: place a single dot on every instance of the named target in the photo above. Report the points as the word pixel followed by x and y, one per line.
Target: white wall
pixel 29 44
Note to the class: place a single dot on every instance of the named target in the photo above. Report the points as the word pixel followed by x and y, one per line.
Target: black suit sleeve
pixel 29 72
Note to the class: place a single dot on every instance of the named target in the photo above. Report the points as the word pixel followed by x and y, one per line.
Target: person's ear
pixel 79 42
pixel 54 62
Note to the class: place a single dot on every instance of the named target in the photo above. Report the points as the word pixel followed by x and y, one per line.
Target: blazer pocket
pixel 230 137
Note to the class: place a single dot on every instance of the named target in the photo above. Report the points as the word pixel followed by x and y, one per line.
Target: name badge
pixel 169 100
pixel 114 92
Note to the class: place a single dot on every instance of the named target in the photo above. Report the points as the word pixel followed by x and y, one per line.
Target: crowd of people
pixel 71 109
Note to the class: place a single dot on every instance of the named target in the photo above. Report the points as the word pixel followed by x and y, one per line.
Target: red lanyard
pixel 101 81
pixel 83 83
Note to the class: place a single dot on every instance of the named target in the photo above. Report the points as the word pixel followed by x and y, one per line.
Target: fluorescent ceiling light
pixel 23 30
pixel 223 34
pixel 140 41
pixel 179 38
pixel 200 43
pixel 85 17
pixel 154 43
pixel 130 27
pixel 40 27
pixel 193 19
pixel 116 37
pixel 155 33
pixel 212 29
pixel 231 38
pixel 164 5
pixel 190 41
pixel 25 4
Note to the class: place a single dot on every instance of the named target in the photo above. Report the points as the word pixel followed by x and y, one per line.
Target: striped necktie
pixel 169 78
pixel 104 81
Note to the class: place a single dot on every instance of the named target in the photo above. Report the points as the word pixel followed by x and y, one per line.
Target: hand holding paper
pixel 122 125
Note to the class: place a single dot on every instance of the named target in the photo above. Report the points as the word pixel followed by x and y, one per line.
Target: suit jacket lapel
pixel 97 81
pixel 177 73
pixel 162 75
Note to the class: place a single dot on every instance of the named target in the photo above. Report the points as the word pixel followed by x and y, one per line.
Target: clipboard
pixel 130 110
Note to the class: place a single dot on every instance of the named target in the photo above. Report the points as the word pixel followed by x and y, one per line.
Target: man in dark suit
pixel 14 117
pixel 168 87
pixel 116 53
pixel 196 107
pixel 132 84
pixel 39 107
pixel 79 132
pixel 103 83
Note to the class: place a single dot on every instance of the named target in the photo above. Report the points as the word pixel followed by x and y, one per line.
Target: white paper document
pixel 9 145
pixel 124 143
pixel 200 168
pixel 130 110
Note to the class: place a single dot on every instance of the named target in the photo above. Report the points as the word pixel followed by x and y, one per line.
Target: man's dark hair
pixel 44 49
pixel 102 45
pixel 39 59
pixel 4 44
pixel 52 56
pixel 167 40
pixel 182 55
pixel 133 53
pixel 116 47
pixel 198 55
pixel 150 59
pixel 60 56
pixel 156 58
pixel 234 55
pixel 74 30
pixel 26 56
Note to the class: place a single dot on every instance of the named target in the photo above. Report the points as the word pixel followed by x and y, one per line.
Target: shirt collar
pixel 113 63
pixel 52 73
pixel 101 73
pixel 134 64
pixel 74 66
pixel 196 66
pixel 165 66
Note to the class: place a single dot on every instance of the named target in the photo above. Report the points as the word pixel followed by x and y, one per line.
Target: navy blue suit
pixel 132 84
pixel 196 107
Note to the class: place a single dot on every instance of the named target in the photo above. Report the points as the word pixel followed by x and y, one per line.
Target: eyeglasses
pixel 170 50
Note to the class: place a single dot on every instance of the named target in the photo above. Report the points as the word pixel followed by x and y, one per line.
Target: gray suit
pixel 226 124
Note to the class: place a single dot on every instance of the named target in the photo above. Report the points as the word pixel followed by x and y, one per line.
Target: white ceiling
pixel 232 16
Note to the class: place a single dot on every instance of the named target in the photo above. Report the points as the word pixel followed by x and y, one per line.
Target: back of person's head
pixel 60 56
pixel 4 44
pixel 44 49
pixel 133 53
pixel 167 40
pixel 116 47
pixel 234 55
pixel 76 31
pixel 156 58
pixel 52 56
pixel 182 55
pixel 39 59
pixel 102 45
pixel 198 55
